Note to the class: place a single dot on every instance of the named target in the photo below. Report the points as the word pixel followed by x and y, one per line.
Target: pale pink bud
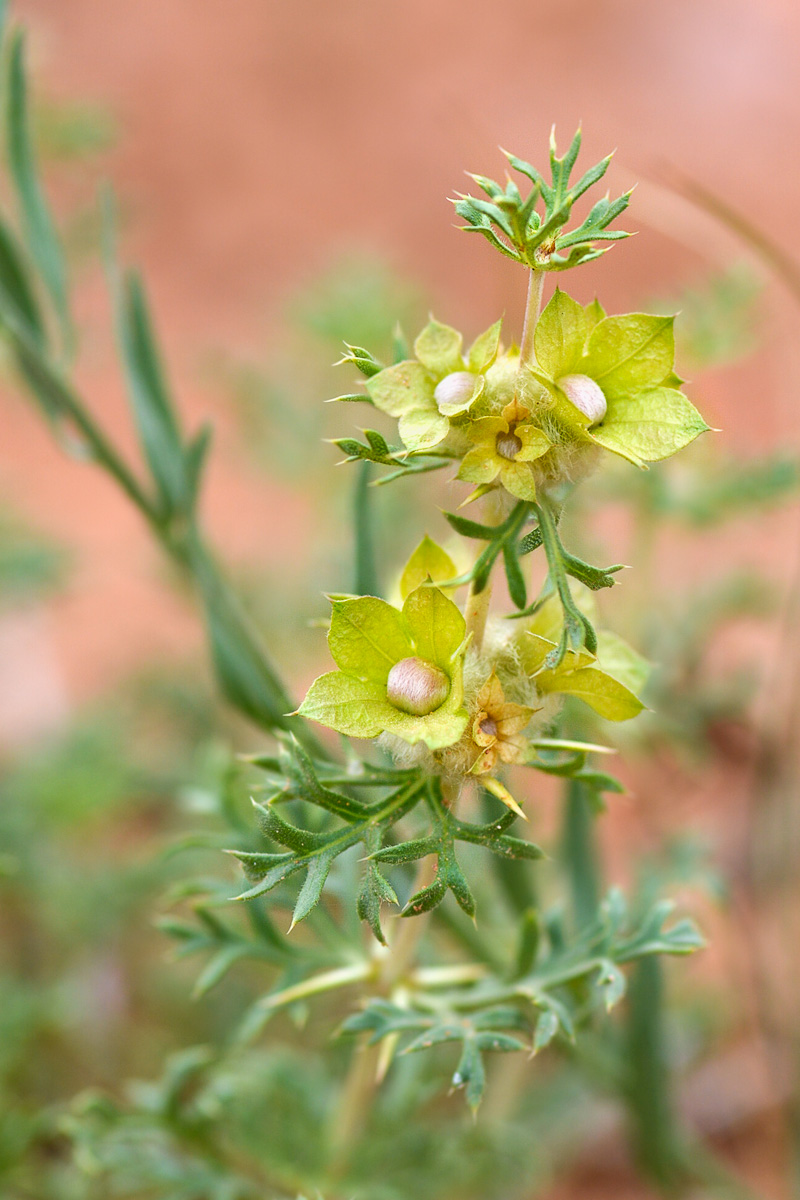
pixel 454 391
pixel 417 686
pixel 586 395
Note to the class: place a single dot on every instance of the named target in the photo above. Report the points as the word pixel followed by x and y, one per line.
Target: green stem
pixel 366 573
pixel 479 600
pixel 527 354
pixel 44 381
pixel 578 630
pixel 580 854
pixel 364 1074
pixel 655 1136
pixel 476 612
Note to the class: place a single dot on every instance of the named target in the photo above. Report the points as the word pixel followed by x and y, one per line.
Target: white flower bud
pixel 417 686
pixel 586 395
pixel 454 391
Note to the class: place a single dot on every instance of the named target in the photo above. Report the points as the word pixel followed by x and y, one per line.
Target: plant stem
pixel 580 854
pixel 477 611
pixel 478 602
pixel 527 354
pixel 363 1075
pixel 365 573
pixel 354 1104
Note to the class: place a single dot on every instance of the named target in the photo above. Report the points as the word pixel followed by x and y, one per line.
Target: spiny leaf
pixel 366 363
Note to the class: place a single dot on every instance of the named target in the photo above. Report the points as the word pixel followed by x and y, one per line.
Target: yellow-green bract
pixel 630 357
pixel 416 391
pixel 367 638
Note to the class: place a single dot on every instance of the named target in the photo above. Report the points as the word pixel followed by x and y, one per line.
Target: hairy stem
pixel 476 612
pixel 479 602
pixel 527 354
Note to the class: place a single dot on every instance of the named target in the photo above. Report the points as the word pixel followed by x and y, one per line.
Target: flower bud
pixel 586 395
pixel 508 445
pixel 417 686
pixel 454 391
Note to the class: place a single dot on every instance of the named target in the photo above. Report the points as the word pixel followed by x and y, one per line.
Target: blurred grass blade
pixel 155 417
pixel 770 251
pixel 16 293
pixel 40 232
pixel 175 470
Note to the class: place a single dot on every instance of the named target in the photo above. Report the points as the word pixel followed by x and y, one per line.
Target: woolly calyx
pixel 503 449
pixel 417 687
pixel 508 445
pixel 497 728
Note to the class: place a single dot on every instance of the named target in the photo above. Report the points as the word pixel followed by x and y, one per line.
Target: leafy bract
pixel 428 562
pixel 367 638
pixel 514 225
pixel 560 336
pixel 630 357
pixel 650 426
pixel 629 353
pixel 438 348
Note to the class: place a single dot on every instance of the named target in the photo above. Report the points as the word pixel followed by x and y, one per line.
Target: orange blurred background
pixel 256 142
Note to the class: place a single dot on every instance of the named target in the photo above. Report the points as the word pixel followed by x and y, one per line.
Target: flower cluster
pixel 466 695
pixel 594 382
pixel 411 676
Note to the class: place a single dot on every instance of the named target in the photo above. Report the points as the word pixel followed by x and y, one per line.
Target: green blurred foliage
pixel 30 566
pixel 719 318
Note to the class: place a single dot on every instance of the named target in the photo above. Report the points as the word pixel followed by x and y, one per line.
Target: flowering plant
pixel 437 697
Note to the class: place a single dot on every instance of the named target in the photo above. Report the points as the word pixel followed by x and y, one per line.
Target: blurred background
pixel 283 174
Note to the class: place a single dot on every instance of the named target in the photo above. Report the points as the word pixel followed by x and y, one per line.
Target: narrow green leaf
pixel 216 969
pixel 516 580
pixel 471 529
pixel 529 941
pixel 426 899
pixel 470 1074
pixel 410 851
pixel 304 784
pixel 152 407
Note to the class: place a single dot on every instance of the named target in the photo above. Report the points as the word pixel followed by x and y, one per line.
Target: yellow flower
pixel 497 728
pixel 505 446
